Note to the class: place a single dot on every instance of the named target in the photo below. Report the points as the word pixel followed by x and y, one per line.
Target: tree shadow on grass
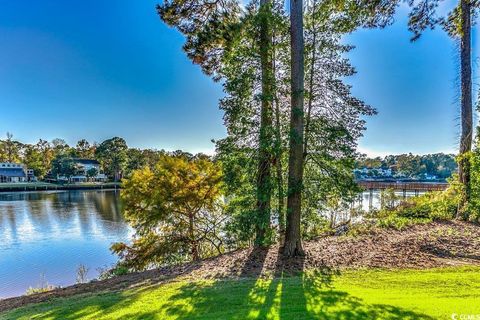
pixel 84 306
pixel 287 292
pixel 461 251
pixel 325 302
pixel 285 295
pixel 224 298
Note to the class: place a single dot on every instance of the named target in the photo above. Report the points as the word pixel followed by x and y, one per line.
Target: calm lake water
pixel 47 235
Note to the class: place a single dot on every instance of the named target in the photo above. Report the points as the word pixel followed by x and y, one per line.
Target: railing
pixel 404 186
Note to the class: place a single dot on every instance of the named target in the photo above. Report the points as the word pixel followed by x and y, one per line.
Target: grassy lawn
pixel 361 294
pixel 24 184
pixel 30 186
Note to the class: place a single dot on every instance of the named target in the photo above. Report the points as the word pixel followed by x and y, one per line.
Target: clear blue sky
pixel 96 69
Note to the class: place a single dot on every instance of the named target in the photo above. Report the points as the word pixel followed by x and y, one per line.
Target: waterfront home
pixel 31 176
pixel 13 172
pixel 84 168
pixel 373 173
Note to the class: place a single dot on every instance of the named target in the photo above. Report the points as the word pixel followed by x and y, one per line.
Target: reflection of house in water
pixel 15 172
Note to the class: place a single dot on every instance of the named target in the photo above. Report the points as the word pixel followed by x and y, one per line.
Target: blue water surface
pixel 46 236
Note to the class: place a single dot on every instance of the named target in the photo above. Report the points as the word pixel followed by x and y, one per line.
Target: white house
pixel 13 172
pixel 83 167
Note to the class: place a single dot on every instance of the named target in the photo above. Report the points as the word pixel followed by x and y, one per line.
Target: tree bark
pixel 278 152
pixel 466 105
pixel 293 243
pixel 193 243
pixel 279 169
pixel 264 183
pixel 310 88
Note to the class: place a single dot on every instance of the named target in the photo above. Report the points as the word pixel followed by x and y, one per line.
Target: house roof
pixel 12 172
pixel 86 161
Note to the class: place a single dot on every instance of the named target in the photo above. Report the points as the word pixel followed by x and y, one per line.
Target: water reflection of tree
pixel 98 212
pixel 107 204
pixel 9 222
pixel 82 212
pixel 20 196
pixel 38 212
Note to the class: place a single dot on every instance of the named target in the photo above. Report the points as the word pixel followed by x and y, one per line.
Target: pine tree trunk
pixel 278 153
pixel 264 183
pixel 293 244
pixel 279 168
pixel 310 88
pixel 466 104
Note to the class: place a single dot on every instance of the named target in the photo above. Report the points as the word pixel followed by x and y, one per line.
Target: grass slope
pixel 359 294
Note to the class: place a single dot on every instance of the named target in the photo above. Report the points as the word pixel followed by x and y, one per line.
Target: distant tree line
pixel 440 165
pixel 56 157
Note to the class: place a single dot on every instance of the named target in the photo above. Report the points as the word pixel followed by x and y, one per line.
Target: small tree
pixel 84 149
pixel 46 152
pixel 112 153
pixel 11 148
pixel 91 173
pixel 175 211
pixel 63 166
pixel 61 148
pixel 33 159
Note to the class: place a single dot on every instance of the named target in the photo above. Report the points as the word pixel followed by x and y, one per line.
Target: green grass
pixel 31 186
pixel 25 184
pixel 360 294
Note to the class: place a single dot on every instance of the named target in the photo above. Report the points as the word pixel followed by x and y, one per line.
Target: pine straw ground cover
pixel 424 272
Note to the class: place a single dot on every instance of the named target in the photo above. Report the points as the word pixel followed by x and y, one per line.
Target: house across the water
pixel 88 170
pixel 15 172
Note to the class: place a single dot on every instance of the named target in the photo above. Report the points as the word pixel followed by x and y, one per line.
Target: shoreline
pixel 53 187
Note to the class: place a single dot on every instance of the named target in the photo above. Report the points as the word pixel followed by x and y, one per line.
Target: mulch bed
pixel 437 244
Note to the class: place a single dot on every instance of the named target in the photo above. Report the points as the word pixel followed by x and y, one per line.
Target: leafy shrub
pixel 389 199
pixel 82 274
pixel 474 204
pixel 399 222
pixel 32 290
pixel 422 209
pixel 433 205
pixel 44 286
pixel 115 271
pixel 357 229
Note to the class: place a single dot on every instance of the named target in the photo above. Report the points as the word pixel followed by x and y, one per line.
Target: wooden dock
pixel 417 187
pixel 403 186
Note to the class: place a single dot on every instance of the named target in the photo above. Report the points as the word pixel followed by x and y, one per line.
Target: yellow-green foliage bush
pixel 398 222
pixel 42 289
pixel 474 203
pixel 422 209
pixel 433 205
